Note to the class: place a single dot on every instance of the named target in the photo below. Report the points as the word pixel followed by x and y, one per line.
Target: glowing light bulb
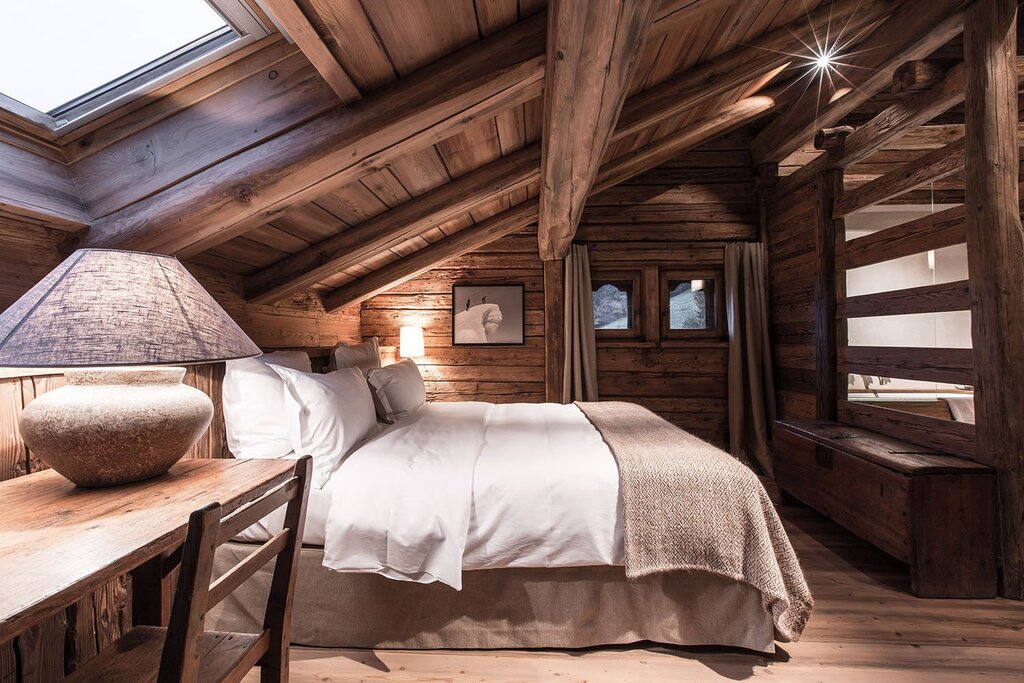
pixel 823 61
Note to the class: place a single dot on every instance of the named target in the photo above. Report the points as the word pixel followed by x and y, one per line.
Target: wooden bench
pixel 932 511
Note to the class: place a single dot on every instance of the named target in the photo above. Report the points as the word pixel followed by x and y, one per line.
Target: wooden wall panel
pixel 677 216
pixel 792 263
pixel 500 374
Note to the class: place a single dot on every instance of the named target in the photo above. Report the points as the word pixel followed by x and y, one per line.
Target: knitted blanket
pixel 689 506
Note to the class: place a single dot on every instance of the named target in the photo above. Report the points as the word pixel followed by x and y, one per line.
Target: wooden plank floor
pixel 866 628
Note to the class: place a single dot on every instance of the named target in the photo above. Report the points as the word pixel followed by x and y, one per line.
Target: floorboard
pixel 866 627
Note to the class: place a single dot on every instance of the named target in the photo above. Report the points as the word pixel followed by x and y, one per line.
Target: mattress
pixel 465 486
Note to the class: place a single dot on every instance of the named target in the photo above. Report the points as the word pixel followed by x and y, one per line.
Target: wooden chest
pixel 934 512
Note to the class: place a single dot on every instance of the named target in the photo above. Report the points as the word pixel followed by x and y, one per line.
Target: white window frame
pixel 244 27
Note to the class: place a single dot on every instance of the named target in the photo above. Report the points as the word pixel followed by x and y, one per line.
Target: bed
pixel 475 525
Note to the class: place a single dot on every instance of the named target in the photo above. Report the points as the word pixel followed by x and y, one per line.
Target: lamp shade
pixel 103 307
pixel 410 341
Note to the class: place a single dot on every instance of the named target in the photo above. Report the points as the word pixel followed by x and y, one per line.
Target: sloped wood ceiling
pixel 394 135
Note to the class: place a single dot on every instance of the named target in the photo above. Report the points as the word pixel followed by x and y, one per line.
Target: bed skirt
pixel 501 608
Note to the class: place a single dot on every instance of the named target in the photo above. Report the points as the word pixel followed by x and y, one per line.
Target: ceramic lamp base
pixel 112 426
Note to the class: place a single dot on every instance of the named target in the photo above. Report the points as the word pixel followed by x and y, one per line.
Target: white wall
pixel 945 330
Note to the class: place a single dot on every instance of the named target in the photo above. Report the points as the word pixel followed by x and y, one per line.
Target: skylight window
pixel 66 58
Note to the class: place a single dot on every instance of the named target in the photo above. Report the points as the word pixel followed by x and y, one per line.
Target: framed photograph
pixel 488 315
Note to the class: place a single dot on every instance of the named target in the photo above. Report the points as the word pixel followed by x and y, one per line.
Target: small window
pixel 615 298
pixel 690 304
pixel 63 60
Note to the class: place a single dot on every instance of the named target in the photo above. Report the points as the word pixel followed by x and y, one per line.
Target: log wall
pixel 499 374
pixel 677 216
pixel 792 267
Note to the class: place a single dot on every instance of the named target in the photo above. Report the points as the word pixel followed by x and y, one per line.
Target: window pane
pixel 689 304
pixel 613 306
pixel 53 52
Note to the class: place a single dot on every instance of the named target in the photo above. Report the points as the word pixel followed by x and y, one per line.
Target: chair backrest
pixel 195 595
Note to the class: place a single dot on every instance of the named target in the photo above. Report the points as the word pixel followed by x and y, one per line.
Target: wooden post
pixel 995 248
pixel 554 329
pixel 826 338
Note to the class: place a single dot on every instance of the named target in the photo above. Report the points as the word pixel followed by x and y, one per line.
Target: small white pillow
pixel 398 388
pixel 365 356
pixel 253 399
pixel 328 414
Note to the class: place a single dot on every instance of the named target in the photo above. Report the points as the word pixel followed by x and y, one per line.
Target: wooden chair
pixel 185 653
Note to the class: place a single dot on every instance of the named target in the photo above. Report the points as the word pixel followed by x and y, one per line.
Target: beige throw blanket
pixel 689 506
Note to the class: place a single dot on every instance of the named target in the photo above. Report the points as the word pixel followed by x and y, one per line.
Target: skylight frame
pixel 243 27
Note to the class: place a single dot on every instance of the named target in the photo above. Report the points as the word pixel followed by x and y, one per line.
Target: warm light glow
pixel 822 61
pixel 411 341
pixel 696 285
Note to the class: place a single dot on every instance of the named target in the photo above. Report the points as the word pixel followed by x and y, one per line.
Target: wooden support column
pixel 826 337
pixel 995 247
pixel 554 329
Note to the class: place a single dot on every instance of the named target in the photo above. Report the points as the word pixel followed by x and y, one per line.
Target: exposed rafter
pixel 333 149
pixel 391 228
pixel 913 31
pixel 743 64
pixel 39 190
pixel 887 126
pixel 592 53
pixel 300 30
pixel 648 108
pixel 524 214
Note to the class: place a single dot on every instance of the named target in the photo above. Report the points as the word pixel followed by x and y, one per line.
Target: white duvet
pixel 475 486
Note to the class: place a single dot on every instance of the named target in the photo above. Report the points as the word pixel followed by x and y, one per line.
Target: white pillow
pixel 365 356
pixel 398 388
pixel 253 398
pixel 328 415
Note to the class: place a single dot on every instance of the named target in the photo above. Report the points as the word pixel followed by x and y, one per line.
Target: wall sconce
pixel 931 259
pixel 410 341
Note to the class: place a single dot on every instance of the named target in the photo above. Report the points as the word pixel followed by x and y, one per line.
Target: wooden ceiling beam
pixel 40 190
pixel 333 149
pixel 389 229
pixel 526 213
pixel 886 127
pixel 335 254
pixel 428 258
pixel 913 31
pixel 743 64
pixel 298 27
pixel 592 53
pixel 932 166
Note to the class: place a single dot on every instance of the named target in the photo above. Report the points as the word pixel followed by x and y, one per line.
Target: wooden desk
pixel 59 542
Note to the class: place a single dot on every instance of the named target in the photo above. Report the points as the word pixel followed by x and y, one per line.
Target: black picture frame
pixel 508 300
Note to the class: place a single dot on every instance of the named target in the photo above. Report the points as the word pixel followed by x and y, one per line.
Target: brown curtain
pixel 579 373
pixel 751 386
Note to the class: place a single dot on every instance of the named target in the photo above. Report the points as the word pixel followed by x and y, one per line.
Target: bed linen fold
pixel 689 506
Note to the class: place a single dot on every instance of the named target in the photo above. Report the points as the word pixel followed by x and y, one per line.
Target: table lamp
pixel 115 321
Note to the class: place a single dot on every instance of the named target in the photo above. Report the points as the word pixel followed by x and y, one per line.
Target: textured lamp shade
pixel 410 341
pixel 105 316
pixel 102 308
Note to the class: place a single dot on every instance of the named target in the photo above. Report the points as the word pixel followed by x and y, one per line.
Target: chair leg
pixel 274 664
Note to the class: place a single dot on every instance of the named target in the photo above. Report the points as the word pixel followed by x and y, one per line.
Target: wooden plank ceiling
pixel 421 119
pixel 379 47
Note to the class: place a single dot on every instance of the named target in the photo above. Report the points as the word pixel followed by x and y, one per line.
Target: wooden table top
pixel 58 542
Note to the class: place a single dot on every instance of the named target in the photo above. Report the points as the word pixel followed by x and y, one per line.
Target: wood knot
pixel 272 75
pixel 245 194
pixel 559 54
